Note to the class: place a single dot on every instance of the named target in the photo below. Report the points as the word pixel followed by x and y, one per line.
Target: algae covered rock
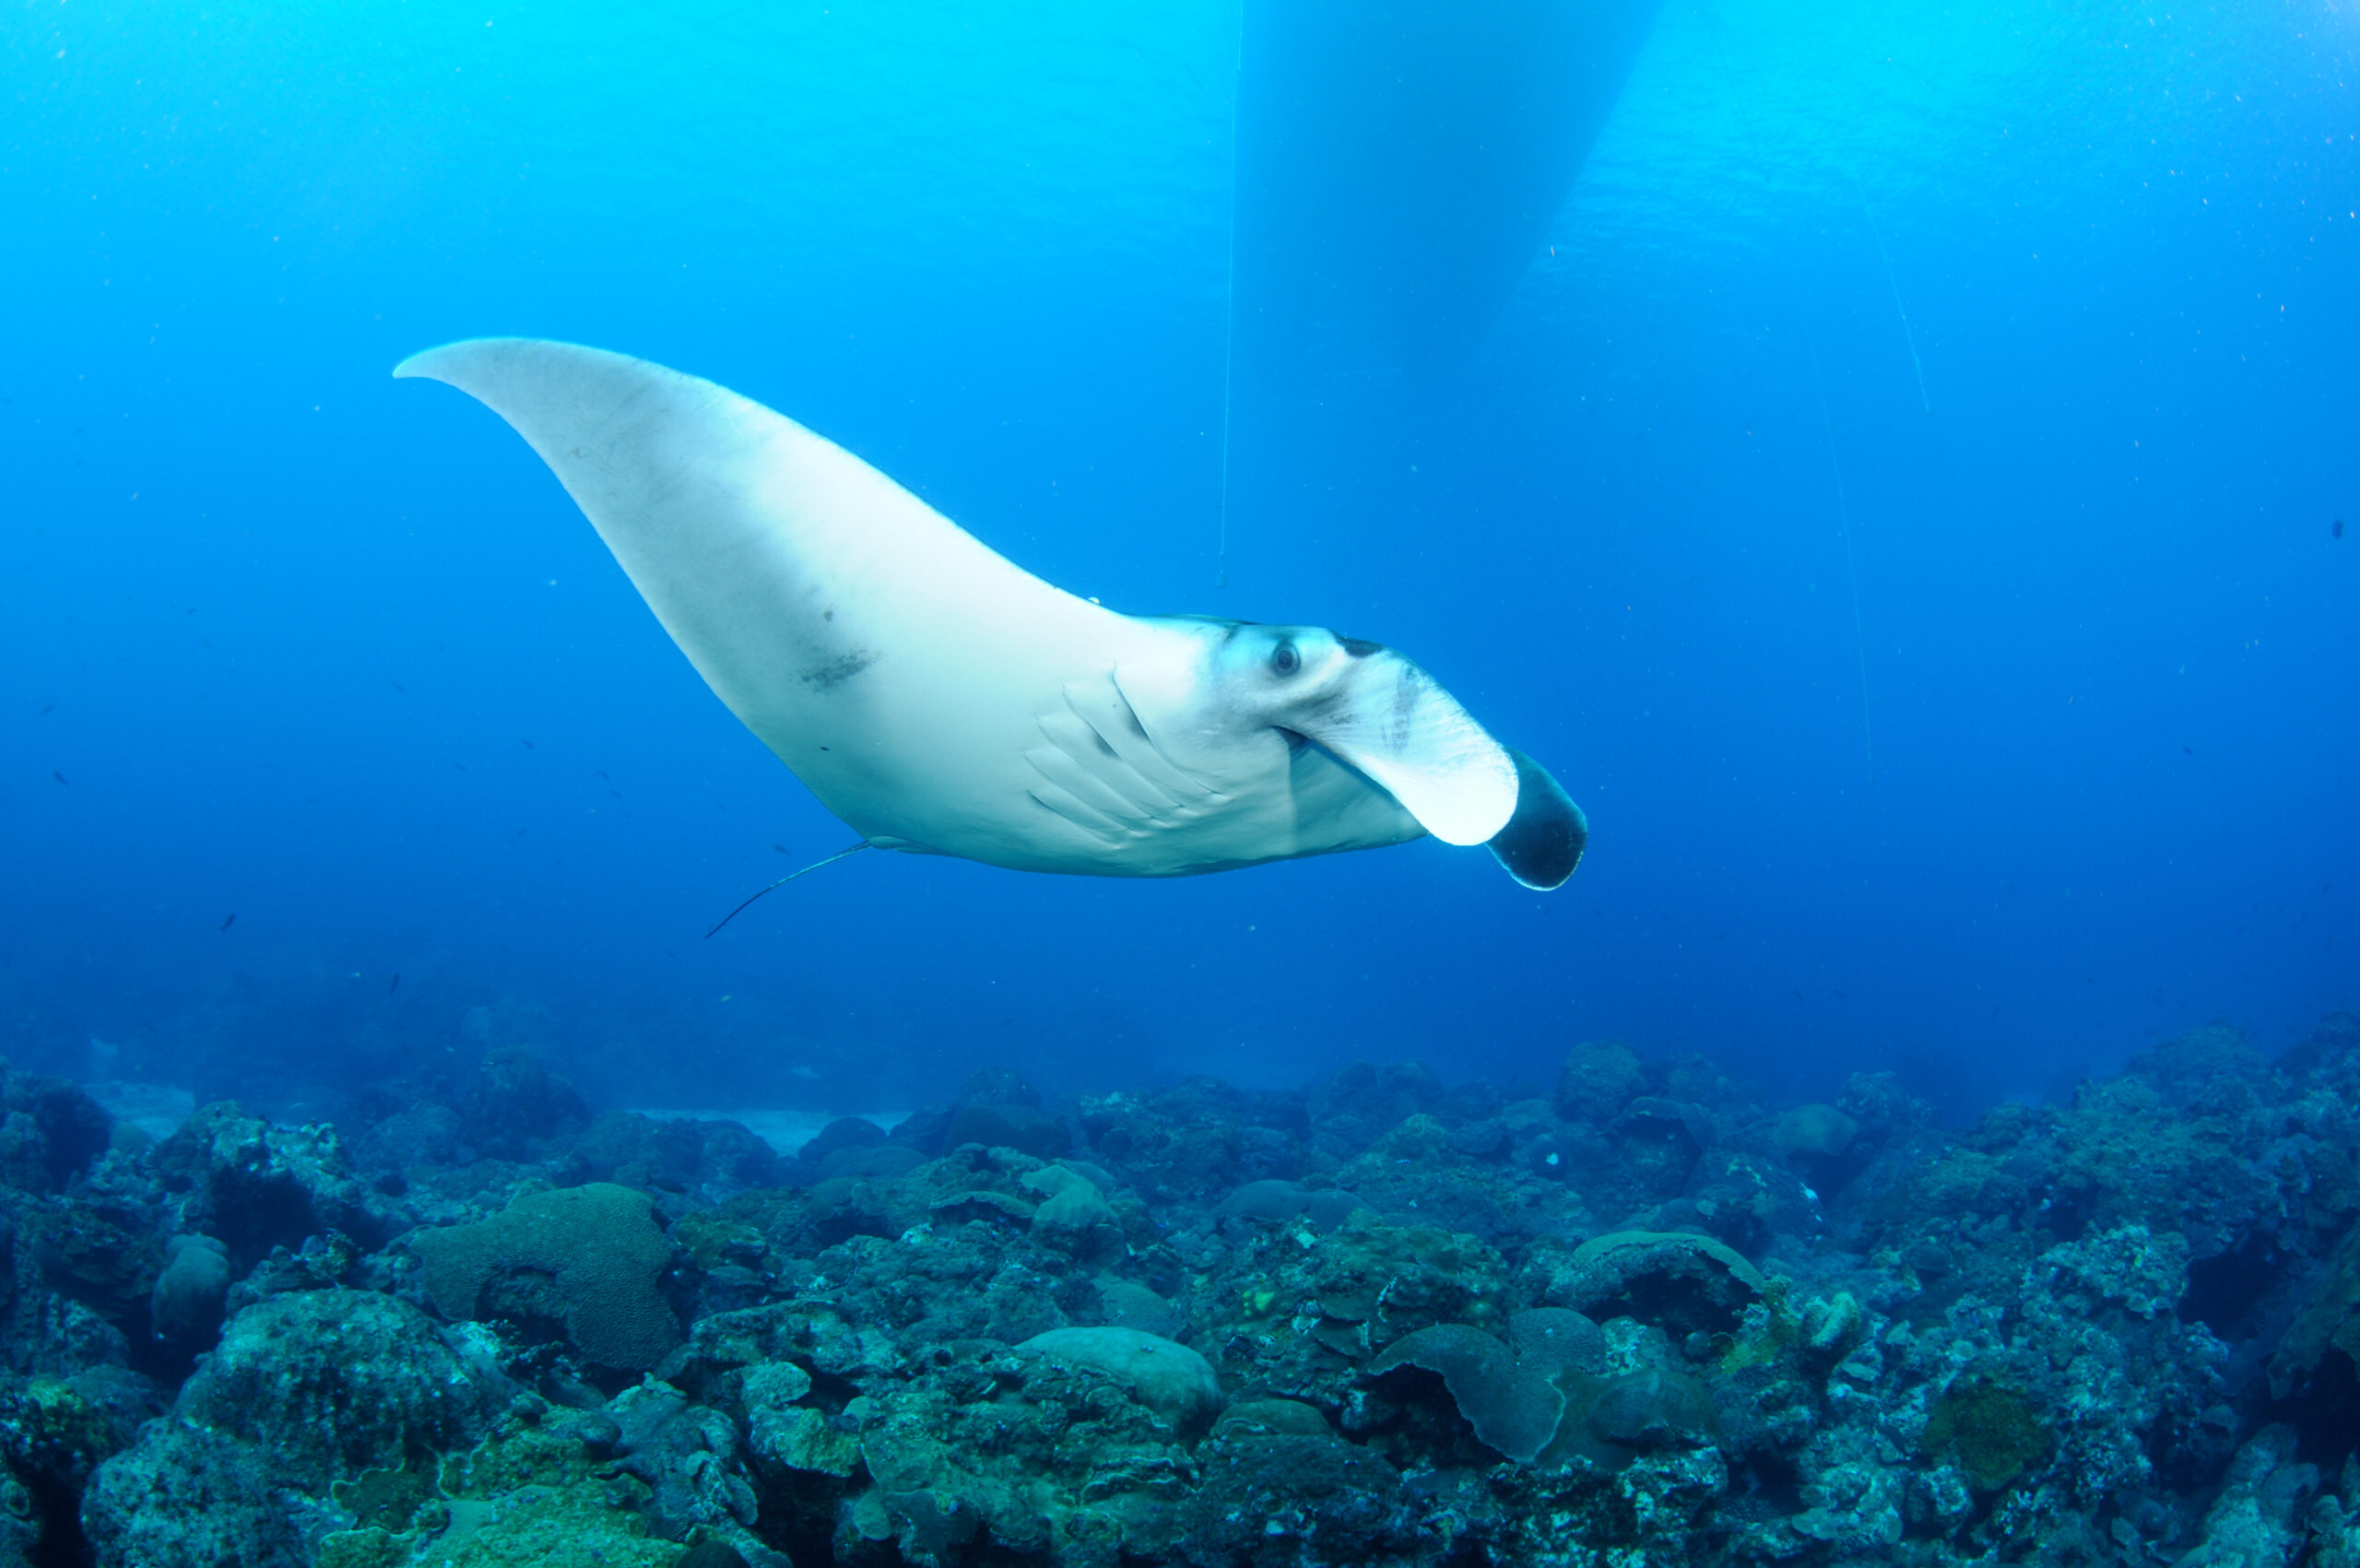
pixel 1597 1080
pixel 305 1390
pixel 1813 1131
pixel 1285 1499
pixel 531 1497
pixel 2257 1521
pixel 187 1498
pixel 2145 1273
pixel 186 1304
pixel 1169 1379
pixel 1072 1209
pixel 2329 1319
pixel 332 1382
pixel 256 1185
pixel 50 1131
pixel 586 1258
pixel 1128 1304
pixel 784 1432
pixel 1992 1432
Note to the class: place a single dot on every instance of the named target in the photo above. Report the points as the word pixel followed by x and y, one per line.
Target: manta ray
pixel 942 701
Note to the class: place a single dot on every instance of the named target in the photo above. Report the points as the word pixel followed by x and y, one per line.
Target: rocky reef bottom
pixel 1635 1318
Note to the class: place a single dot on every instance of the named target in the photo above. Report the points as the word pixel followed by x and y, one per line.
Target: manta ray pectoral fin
pixel 1543 841
pixel 839 616
pixel 1391 721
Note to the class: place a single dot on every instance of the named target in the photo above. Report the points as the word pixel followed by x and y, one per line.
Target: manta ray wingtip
pixel 423 365
pixel 1543 841
pixel 439 362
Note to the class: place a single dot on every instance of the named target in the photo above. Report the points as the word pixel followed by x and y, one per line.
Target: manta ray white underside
pixel 942 701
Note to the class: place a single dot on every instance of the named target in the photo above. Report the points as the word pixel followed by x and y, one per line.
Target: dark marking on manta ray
pixel 1359 647
pixel 836 671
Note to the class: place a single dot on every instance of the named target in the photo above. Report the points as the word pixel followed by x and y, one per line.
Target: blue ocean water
pixel 1899 498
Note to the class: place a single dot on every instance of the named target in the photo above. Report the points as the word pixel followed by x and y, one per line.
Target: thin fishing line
pixel 1851 570
pixel 1229 314
pixel 783 881
pixel 1827 421
pixel 1907 335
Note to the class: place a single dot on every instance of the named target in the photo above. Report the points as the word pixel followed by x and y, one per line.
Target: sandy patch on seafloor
pixel 786 1131
pixel 156 1109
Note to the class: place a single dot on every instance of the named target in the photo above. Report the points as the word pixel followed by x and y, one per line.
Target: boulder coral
pixel 588 1259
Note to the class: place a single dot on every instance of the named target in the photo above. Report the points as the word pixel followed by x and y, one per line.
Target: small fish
pixel 2189 749
pixel 527 744
pixel 2336 532
pixel 58 776
pixel 780 847
pixel 461 766
pixel 1842 997
pixel 231 921
pixel 400 687
pixel 395 985
pixel 601 772
pixel 1799 995
pixel 46 708
pixel 616 793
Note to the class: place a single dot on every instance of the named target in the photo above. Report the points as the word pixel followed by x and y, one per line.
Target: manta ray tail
pixel 783 881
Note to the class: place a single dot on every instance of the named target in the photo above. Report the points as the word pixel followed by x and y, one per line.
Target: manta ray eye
pixel 1284 659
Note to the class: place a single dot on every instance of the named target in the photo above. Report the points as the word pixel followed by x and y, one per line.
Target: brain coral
pixel 587 1257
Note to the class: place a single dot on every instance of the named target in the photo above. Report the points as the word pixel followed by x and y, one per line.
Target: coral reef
pixel 1386 1320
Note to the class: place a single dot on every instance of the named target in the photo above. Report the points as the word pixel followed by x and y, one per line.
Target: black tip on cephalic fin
pixel 1543 841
